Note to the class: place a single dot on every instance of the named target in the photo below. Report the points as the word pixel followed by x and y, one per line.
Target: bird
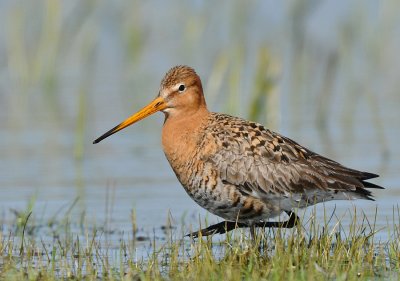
pixel 237 169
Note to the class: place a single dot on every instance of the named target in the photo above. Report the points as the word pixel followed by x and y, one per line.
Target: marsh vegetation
pixel 324 74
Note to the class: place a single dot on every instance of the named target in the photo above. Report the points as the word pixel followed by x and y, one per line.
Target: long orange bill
pixel 156 105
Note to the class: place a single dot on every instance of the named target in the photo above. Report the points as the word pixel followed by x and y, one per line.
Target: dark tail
pixel 362 190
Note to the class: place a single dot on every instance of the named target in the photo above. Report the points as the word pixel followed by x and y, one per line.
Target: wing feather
pixel 252 157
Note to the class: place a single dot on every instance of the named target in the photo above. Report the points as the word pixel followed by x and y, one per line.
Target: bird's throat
pixel 180 135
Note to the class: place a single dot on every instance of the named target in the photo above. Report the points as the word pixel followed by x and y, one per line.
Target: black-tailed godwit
pixel 237 169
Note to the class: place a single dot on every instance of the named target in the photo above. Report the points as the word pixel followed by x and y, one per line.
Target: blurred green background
pixel 325 73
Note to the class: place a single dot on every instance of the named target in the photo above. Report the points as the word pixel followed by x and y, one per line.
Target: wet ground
pixel 128 173
pixel 334 93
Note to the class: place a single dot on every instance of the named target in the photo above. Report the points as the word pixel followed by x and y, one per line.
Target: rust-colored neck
pixel 181 133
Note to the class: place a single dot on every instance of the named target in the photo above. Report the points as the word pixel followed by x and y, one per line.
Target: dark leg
pixel 253 232
pixel 219 228
pixel 226 226
pixel 291 222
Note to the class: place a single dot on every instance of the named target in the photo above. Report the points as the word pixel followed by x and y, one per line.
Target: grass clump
pixel 313 250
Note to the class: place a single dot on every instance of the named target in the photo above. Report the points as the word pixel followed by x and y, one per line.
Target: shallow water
pixel 128 171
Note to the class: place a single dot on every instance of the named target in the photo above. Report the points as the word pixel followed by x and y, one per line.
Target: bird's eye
pixel 181 88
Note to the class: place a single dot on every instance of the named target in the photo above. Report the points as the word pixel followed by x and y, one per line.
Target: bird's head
pixel 180 93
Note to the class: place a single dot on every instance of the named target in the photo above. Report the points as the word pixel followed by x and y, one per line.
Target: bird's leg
pixel 253 232
pixel 219 228
pixel 291 222
pixel 226 226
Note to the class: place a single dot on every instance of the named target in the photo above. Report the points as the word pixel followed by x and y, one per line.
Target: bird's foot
pixel 219 228
pixel 226 226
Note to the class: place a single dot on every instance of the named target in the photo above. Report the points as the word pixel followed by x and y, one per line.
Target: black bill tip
pixel 107 134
